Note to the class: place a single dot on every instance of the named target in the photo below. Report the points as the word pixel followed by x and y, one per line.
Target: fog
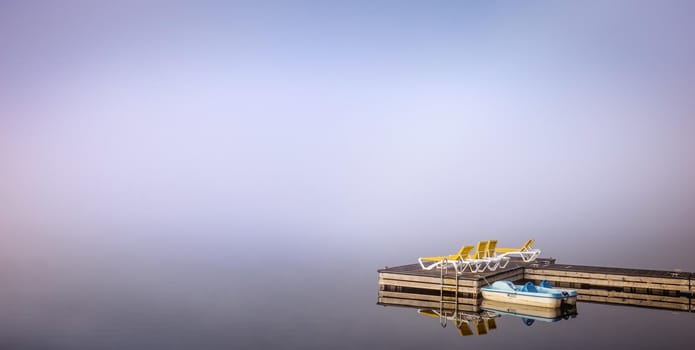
pixel 148 145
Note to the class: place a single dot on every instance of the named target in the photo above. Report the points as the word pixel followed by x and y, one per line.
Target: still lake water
pixel 218 299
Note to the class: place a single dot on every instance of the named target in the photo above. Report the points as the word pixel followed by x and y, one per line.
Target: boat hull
pixel 516 298
pixel 544 314
pixel 570 294
pixel 570 300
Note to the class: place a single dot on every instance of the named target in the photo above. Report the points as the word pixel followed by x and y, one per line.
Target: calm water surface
pixel 221 300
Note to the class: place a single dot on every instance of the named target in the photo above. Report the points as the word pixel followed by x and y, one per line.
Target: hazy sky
pixel 389 128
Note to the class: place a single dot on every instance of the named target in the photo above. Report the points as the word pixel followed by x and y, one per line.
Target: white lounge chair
pixel 459 260
pixel 525 252
pixel 479 261
pixel 495 261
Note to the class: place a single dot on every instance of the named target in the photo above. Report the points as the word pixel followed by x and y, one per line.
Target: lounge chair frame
pixel 526 252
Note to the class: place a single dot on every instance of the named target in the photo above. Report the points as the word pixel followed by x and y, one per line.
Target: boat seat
pixel 529 287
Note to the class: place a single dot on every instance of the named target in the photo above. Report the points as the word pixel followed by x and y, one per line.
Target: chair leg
pixel 504 263
pixel 480 266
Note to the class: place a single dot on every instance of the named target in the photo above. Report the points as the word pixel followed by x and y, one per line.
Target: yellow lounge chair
pixel 483 258
pixel 526 252
pixel 496 261
pixel 458 260
pixel 478 261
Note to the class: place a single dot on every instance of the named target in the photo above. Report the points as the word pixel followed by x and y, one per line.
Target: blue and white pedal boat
pixel 529 294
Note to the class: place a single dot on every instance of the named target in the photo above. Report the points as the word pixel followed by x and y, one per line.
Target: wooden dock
pixel 410 285
pixel 649 288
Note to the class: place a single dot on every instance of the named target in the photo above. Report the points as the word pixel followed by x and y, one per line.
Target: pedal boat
pixel 528 294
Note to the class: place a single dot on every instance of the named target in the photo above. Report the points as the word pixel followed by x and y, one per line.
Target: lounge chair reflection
pixel 481 323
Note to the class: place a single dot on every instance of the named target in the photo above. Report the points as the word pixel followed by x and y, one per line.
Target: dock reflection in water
pixel 471 319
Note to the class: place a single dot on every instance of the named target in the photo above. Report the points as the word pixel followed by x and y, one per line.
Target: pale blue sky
pixel 357 124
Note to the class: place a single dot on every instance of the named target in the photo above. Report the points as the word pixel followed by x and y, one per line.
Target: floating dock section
pixel 671 290
pixel 410 285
